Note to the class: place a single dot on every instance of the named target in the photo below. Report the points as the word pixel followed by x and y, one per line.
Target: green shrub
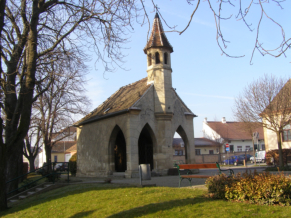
pixel 216 185
pixel 73 164
pixel 264 188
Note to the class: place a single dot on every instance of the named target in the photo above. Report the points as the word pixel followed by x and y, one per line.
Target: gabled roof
pixel 281 102
pixel 189 111
pixel 62 146
pixel 158 37
pixel 72 149
pixel 177 142
pixel 119 102
pixel 233 130
pixel 205 142
pixel 65 131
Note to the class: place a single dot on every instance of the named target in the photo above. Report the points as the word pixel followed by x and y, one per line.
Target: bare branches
pixel 266 102
pixel 198 3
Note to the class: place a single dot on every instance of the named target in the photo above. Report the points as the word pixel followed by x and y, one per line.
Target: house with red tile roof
pixel 234 134
pixel 202 146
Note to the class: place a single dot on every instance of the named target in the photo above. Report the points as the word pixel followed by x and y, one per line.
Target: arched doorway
pixel 180 146
pixel 117 150
pixel 146 147
pixel 179 150
pixel 120 152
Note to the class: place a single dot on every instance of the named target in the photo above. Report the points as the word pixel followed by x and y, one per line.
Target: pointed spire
pixel 158 37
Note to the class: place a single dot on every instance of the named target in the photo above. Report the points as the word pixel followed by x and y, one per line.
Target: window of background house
pixel 239 148
pixel 197 151
pixel 56 158
pixel 211 152
pixel 231 148
pixel 248 148
pixel 263 147
pixel 287 133
pixel 178 152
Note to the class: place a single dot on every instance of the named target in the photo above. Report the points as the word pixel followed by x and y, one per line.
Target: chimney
pixel 223 120
pixel 205 120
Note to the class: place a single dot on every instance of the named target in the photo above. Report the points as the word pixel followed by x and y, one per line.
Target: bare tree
pixel 30 149
pixel 35 34
pixel 266 102
pixel 56 108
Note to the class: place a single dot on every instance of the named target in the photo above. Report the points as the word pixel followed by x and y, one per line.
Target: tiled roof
pixel 205 142
pixel 158 37
pixel 121 100
pixel 72 149
pixel 62 146
pixel 177 141
pixel 67 130
pixel 233 130
pixel 281 101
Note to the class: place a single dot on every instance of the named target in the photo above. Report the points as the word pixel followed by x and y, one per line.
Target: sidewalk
pixel 168 181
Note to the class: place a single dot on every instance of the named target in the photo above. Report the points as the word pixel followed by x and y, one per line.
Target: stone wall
pixel 95 144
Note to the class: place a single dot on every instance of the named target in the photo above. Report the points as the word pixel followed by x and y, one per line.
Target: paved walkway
pixel 168 181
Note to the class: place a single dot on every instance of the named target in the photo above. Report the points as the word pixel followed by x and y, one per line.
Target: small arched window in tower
pixel 166 58
pixel 157 55
pixel 150 59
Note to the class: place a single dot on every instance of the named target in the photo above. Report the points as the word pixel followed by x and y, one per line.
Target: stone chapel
pixel 137 123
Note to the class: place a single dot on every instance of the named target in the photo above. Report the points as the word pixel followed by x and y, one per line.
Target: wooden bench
pixel 186 173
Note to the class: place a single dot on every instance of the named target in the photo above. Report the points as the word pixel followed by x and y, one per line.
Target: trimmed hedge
pixel 73 164
pixel 264 188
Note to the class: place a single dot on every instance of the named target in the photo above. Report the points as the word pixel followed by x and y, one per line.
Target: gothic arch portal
pixel 117 150
pixel 183 135
pixel 147 145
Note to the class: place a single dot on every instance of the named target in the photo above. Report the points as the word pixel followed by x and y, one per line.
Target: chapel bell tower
pixel 158 51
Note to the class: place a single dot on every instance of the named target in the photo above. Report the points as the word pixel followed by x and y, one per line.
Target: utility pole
pixel 255 137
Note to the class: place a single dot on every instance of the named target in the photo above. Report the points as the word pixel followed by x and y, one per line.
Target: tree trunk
pixel 31 163
pixel 3 151
pixel 3 198
pixel 279 139
pixel 14 167
pixel 48 153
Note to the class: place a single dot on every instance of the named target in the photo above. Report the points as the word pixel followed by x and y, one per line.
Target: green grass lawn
pixel 112 200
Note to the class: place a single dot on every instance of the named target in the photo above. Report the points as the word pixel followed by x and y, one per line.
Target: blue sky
pixel 207 81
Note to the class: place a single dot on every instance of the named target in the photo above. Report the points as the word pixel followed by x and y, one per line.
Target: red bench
pixel 185 172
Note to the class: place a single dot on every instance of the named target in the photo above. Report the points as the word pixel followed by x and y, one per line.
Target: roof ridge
pixel 120 100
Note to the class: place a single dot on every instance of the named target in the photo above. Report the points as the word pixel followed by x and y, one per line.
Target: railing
pixel 44 168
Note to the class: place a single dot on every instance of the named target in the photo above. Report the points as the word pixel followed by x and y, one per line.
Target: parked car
pixel 246 156
pixel 235 160
pixel 260 157
pixel 61 167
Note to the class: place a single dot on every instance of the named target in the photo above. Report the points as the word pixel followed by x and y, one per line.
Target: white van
pixel 260 157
